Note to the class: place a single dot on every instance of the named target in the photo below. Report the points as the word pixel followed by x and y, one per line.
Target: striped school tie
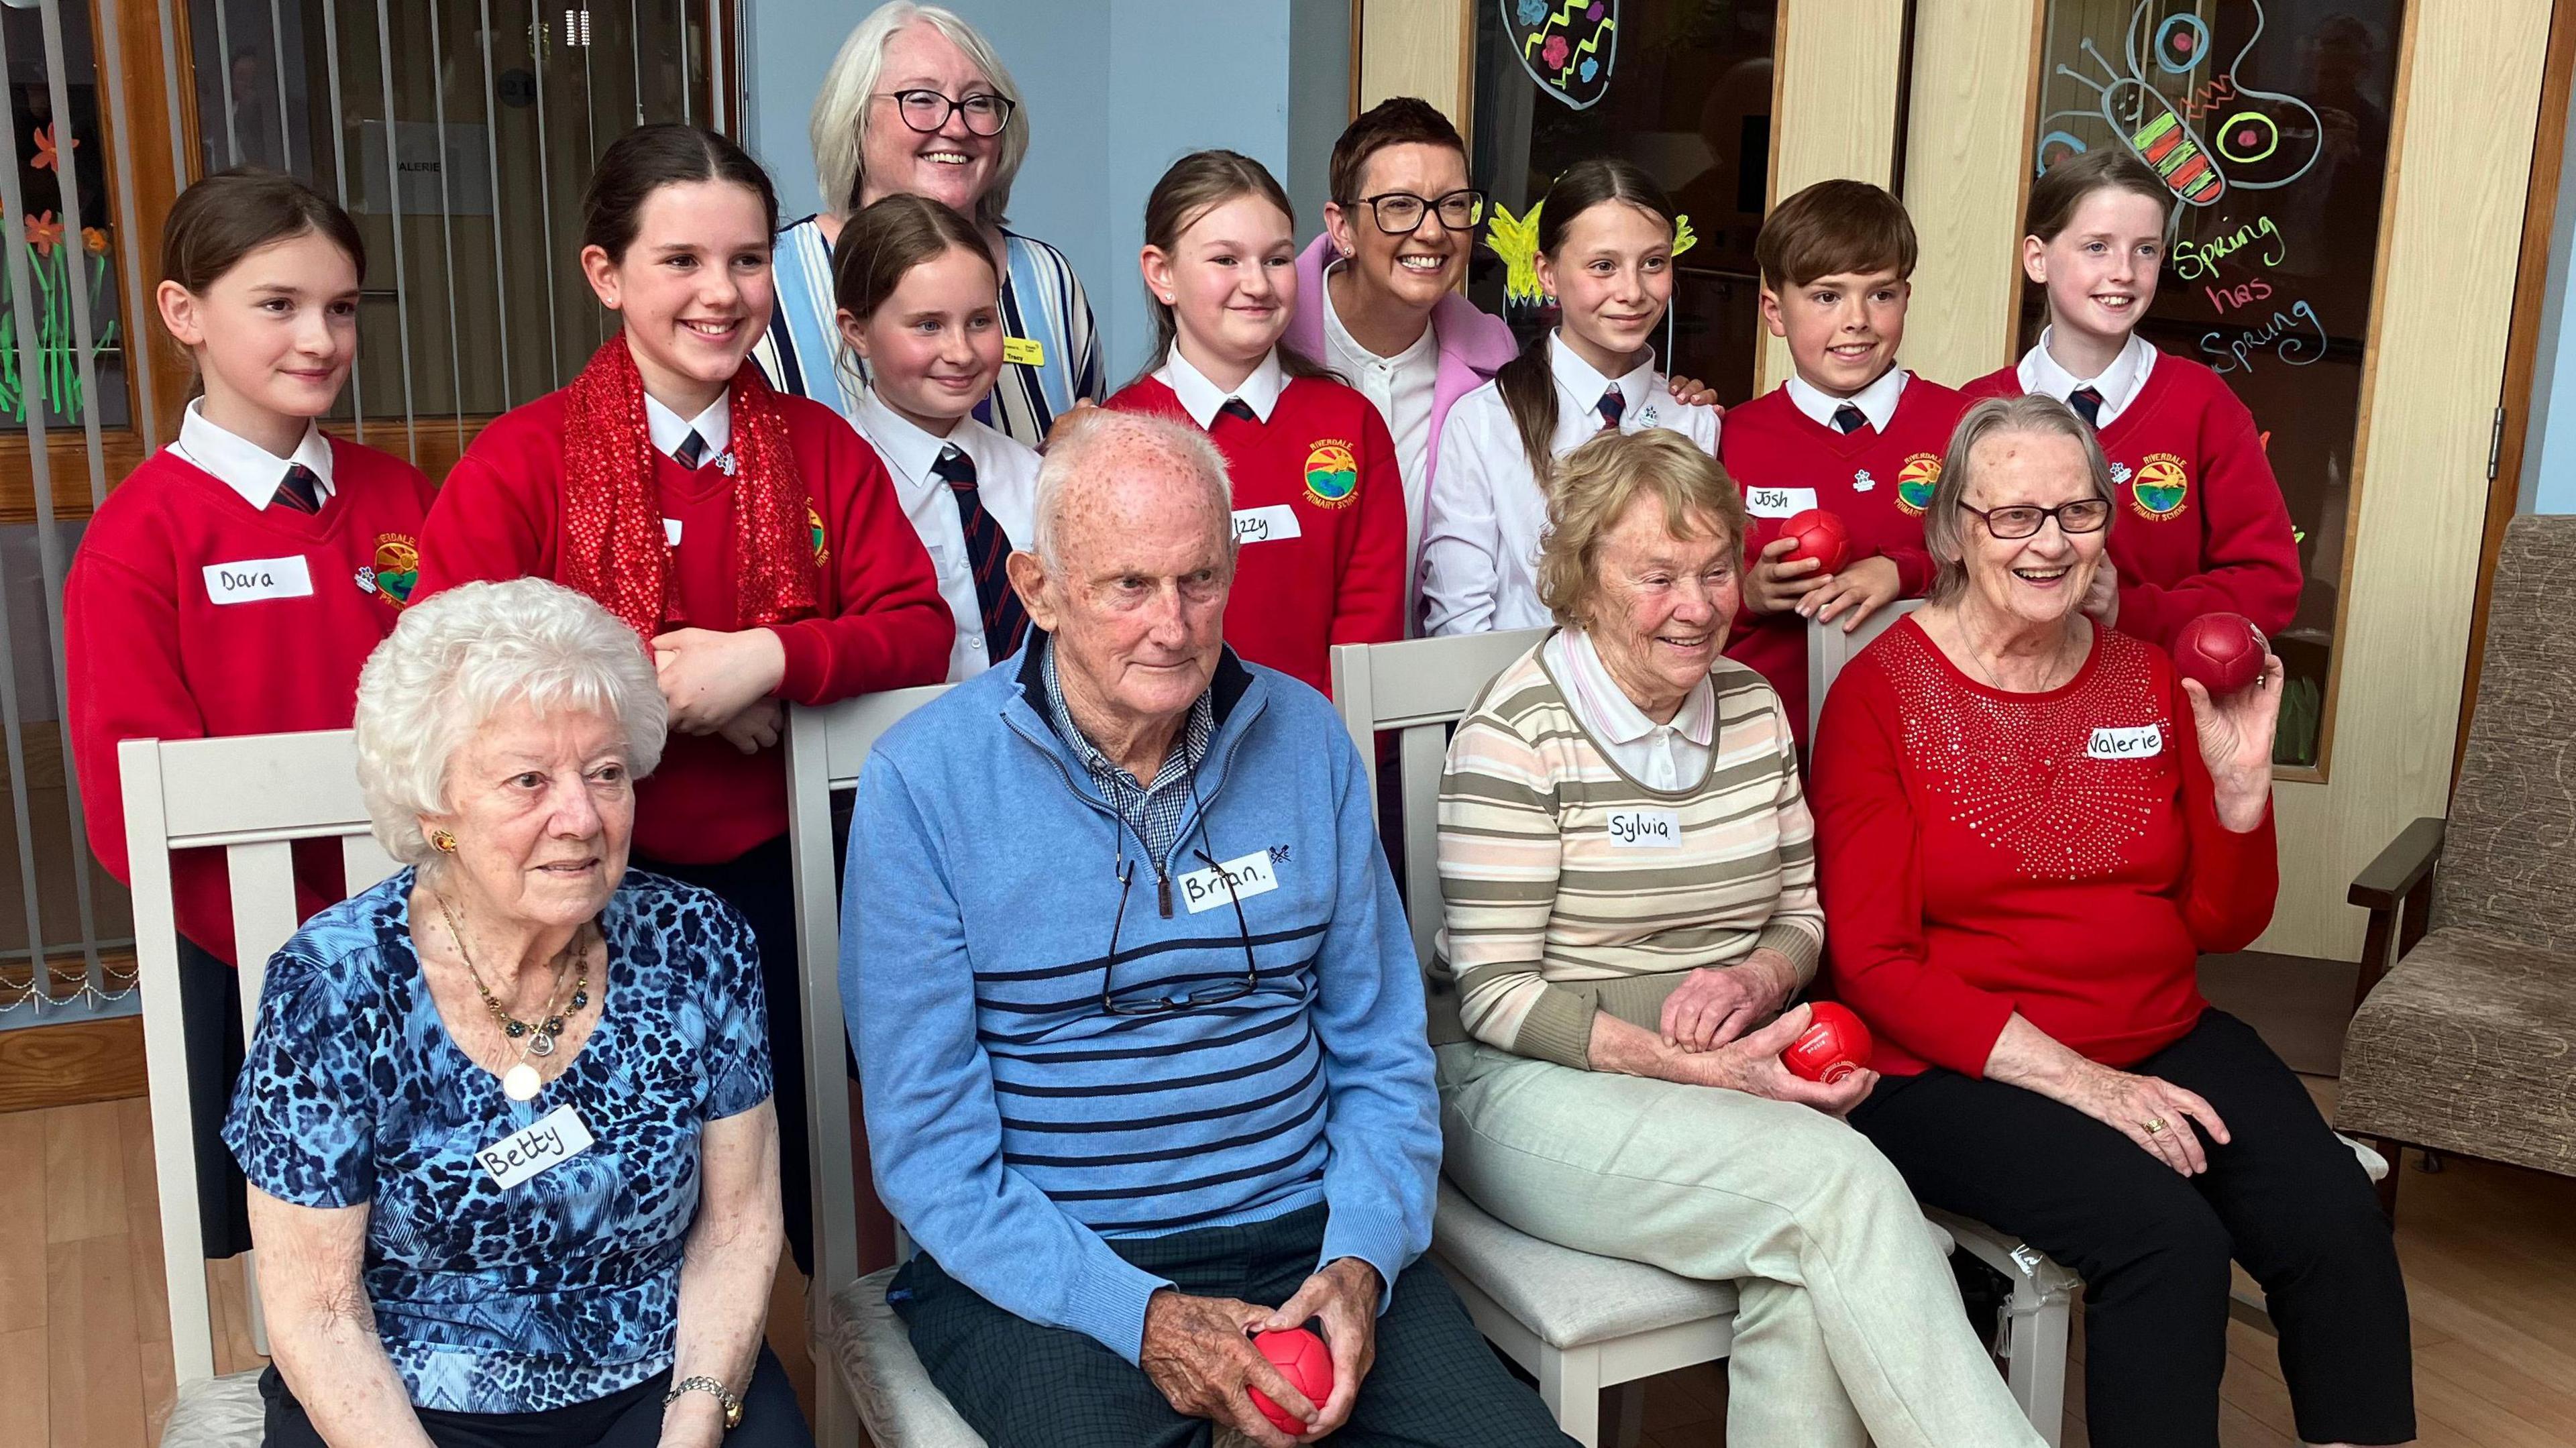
pixel 987 550
pixel 1849 419
pixel 302 491
pixel 1612 408
pixel 2087 403
pixel 693 451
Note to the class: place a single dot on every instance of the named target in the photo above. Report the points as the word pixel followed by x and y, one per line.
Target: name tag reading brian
pixel 1778 502
pixel 2143 741
pixel 1645 829
pixel 254 579
pixel 1266 525
pixel 1252 875
pixel 537 1148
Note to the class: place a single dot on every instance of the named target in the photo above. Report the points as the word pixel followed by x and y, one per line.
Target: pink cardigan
pixel 1473 343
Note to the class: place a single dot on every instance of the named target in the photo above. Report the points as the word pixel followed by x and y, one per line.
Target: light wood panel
pixel 74 1061
pixel 1967 150
pixel 1418 48
pixel 1833 106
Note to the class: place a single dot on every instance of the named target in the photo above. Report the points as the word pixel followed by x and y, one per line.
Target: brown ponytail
pixel 1197 184
pixel 1527 383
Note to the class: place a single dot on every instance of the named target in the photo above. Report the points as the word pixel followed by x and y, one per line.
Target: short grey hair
pixel 1095 437
pixel 456 659
pixel 1945 522
pixel 839 124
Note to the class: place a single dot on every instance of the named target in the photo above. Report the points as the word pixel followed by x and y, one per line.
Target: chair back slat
pixel 1829 648
pixel 364 863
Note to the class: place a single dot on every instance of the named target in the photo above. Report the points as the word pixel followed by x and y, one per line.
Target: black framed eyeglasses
pixel 1158 1005
pixel 927 110
pixel 1400 213
pixel 2084 515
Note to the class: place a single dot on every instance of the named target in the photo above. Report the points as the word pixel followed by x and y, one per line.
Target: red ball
pixel 1821 536
pixel 1834 1045
pixel 1305 1362
pixel 2222 652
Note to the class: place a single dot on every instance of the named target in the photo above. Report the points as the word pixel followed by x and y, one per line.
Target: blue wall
pixel 2548 482
pixel 1115 91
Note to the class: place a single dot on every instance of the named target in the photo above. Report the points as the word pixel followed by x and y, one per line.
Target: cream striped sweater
pixel 1571 889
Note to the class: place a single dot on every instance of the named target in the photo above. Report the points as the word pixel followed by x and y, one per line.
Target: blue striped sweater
pixel 1014 1123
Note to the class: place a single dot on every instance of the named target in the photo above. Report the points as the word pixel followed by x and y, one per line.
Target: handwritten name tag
pixel 671 531
pixel 1645 829
pixel 2141 742
pixel 1778 502
pixel 537 1148
pixel 254 579
pixel 1027 351
pixel 1254 874
pixel 1273 524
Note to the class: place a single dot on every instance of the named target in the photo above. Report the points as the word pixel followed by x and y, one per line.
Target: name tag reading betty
pixel 1645 829
pixel 254 579
pixel 1273 524
pixel 2143 741
pixel 1778 502
pixel 537 1148
pixel 1252 875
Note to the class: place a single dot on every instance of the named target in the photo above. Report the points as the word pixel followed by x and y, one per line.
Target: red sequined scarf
pixel 614 549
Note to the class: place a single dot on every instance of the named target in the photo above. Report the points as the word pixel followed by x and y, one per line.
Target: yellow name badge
pixel 1027 351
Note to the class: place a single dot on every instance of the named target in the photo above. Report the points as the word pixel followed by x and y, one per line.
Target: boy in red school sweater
pixel 1850 431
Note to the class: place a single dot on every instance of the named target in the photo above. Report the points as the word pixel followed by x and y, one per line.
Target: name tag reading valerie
pixel 537 1148
pixel 1778 502
pixel 254 579
pixel 1645 829
pixel 2143 741
pixel 1252 875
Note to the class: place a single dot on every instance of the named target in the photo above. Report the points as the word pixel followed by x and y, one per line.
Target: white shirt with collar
pixel 714 426
pixel 1669 757
pixel 244 466
pixel 1402 387
pixel 1485 513
pixel 1877 401
pixel 2119 384
pixel 1202 399
pixel 1006 480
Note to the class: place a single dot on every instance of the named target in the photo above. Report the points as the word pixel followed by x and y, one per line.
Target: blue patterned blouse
pixel 565 1287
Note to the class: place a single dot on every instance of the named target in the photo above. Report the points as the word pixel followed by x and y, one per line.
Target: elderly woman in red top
pixel 2028 829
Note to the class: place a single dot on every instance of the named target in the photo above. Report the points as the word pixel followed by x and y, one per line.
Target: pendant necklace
pixel 522 1082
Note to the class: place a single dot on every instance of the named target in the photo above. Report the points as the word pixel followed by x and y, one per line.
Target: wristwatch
pixel 704 1384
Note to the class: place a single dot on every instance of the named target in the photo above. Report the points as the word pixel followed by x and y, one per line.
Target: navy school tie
pixel 1850 419
pixel 302 491
pixel 987 552
pixel 1612 408
pixel 2087 403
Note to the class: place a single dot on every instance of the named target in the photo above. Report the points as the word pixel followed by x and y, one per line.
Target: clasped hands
pixel 1198 1351
pixel 1774 584
pixel 723 684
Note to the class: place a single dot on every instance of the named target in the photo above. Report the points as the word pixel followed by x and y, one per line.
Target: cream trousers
pixel 1849 1328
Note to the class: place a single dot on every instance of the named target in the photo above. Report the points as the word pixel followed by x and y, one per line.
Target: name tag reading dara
pixel 537 1148
pixel 1272 524
pixel 2143 741
pixel 1778 502
pixel 254 579
pixel 1645 829
pixel 1252 875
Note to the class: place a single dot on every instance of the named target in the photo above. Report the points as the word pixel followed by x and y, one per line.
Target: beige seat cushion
pixel 2469 1045
pixel 1569 1298
pixel 226 1412
pixel 873 1355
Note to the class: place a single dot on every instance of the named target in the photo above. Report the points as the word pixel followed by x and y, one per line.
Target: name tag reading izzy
pixel 539 1147
pixel 1645 829
pixel 1778 502
pixel 1275 523
pixel 2144 741
pixel 254 579
pixel 1252 875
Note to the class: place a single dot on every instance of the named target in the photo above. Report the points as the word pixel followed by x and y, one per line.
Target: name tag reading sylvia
pixel 1778 502
pixel 537 1148
pixel 1645 829
pixel 2142 741
pixel 1273 524
pixel 1254 874
pixel 254 579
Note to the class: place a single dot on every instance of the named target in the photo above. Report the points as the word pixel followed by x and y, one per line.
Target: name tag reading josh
pixel 1252 875
pixel 537 1148
pixel 1778 502
pixel 1645 829
pixel 671 531
pixel 1273 524
pixel 254 579
pixel 2144 741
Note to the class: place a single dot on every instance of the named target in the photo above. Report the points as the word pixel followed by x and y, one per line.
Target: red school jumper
pixel 883 624
pixel 2202 526
pixel 1878 483
pixel 190 614
pixel 1319 510
pixel 2055 854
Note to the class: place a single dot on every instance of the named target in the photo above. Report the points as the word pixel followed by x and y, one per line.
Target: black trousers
pixel 628 1419
pixel 1019 1385
pixel 210 1020
pixel 2285 1197
pixel 761 883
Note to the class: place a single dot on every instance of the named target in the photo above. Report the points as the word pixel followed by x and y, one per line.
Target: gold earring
pixel 442 841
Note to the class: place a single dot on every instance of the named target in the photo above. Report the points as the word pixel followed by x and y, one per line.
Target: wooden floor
pixel 2490 1255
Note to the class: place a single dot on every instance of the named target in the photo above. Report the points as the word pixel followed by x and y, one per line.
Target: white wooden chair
pixel 252 797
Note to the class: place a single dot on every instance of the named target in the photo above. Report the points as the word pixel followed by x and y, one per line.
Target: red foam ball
pixel 1834 1045
pixel 1305 1362
pixel 1821 536
pixel 2222 652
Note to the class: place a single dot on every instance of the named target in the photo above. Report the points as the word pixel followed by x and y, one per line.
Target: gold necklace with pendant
pixel 522 1081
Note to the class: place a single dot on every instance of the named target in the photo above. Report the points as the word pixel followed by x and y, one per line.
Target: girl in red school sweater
pixel 1318 503
pixel 2206 529
pixel 235 582
pixel 751 538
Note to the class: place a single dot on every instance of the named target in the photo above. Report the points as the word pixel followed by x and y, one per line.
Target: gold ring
pixel 2156 1127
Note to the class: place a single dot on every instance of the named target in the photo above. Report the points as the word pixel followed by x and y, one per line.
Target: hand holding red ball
pixel 2221 652
pixel 1834 1045
pixel 1305 1362
pixel 1821 536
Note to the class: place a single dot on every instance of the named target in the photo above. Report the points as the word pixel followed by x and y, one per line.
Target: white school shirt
pixel 1402 387
pixel 1006 479
pixel 714 426
pixel 246 467
pixel 1877 401
pixel 1485 514
pixel 1202 399
pixel 1668 757
pixel 2119 384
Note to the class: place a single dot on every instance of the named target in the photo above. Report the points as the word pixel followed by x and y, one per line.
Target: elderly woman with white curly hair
pixel 506 1117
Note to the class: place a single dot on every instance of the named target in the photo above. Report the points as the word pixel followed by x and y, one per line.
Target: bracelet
pixel 701 1383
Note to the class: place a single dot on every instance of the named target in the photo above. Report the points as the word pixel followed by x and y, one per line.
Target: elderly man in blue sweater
pixel 1138 1021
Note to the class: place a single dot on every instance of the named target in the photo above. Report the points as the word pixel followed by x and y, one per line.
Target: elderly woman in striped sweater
pixel 1629 872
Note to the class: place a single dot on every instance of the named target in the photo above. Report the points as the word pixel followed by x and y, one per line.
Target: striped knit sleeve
pixel 1797 925
pixel 1499 858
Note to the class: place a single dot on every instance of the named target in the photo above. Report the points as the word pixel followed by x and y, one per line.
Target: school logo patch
pixel 2161 487
pixel 1332 474
pixel 1915 482
pixel 395 569
pixel 814 529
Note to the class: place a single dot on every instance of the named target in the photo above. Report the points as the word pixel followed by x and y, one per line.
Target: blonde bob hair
pixel 839 124
pixel 459 658
pixel 1946 522
pixel 1595 487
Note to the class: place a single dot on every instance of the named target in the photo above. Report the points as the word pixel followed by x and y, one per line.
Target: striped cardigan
pixel 1571 888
